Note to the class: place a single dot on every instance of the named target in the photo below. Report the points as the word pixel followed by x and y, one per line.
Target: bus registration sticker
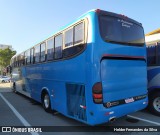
pixel 129 100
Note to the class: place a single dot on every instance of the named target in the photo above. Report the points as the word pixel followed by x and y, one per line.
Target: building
pixel 153 37
pixel 3 46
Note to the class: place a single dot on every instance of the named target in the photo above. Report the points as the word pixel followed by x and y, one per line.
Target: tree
pixel 5 57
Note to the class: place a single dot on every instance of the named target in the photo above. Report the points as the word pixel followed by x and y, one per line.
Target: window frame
pixel 64 46
pixel 22 58
pixel 84 32
pixel 44 52
pixel 156 59
pixel 35 62
pixel 17 61
pixel 62 33
pixel 32 55
pixel 53 49
pixel 83 22
pixel 28 62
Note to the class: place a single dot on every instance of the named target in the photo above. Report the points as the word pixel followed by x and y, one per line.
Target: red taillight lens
pixel 97 96
pixel 97 88
pixel 97 93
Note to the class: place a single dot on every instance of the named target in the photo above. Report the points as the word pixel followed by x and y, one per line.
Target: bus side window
pixel 74 40
pixel 58 47
pixel 22 59
pixel 158 53
pixel 79 33
pixel 25 58
pixel 37 53
pixel 68 43
pixel 151 55
pixel 28 57
pixel 43 52
pixel 148 56
pixel 68 40
pixel 14 61
pixel 50 49
pixel 32 55
pixel 18 60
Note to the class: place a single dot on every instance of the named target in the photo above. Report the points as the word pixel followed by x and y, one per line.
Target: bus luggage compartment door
pixel 123 79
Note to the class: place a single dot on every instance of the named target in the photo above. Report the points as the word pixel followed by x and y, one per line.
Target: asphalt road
pixel 18 110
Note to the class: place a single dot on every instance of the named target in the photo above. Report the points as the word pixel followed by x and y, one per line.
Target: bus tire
pixel 14 87
pixel 3 81
pixel 154 103
pixel 46 102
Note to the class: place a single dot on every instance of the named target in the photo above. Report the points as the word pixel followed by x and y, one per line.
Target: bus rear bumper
pixel 107 114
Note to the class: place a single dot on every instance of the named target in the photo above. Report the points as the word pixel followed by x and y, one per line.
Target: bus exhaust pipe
pixel 112 119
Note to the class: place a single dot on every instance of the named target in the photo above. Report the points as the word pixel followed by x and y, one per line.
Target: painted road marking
pixel 145 120
pixel 20 117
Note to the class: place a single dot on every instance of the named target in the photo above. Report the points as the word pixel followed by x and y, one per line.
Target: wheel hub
pixel 46 101
pixel 156 104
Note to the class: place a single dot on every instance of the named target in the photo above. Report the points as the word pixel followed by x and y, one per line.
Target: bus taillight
pixel 98 96
pixel 97 93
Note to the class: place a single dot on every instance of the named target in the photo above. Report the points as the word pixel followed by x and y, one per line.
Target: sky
pixel 24 23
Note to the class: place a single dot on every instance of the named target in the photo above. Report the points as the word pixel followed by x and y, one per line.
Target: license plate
pixel 129 100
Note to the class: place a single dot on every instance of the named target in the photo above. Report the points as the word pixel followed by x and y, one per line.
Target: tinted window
pixel 28 56
pixel 22 59
pixel 25 57
pixel 75 38
pixel 32 55
pixel 18 60
pixel 37 53
pixel 68 38
pixel 58 46
pixel 151 55
pixel 50 49
pixel 43 48
pixel 14 61
pixel 122 31
pixel 158 53
pixel 79 33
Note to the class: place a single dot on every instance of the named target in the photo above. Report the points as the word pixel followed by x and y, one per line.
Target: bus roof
pixel 99 11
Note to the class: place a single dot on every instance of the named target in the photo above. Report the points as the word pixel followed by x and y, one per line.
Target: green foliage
pixel 5 56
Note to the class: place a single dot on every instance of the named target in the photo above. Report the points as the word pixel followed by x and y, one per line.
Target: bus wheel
pixel 3 81
pixel 46 103
pixel 154 103
pixel 14 88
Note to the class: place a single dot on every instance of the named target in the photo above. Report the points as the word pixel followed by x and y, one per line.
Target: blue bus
pixel 153 62
pixel 92 70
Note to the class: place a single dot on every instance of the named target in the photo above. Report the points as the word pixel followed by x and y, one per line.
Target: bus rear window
pixel 121 31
